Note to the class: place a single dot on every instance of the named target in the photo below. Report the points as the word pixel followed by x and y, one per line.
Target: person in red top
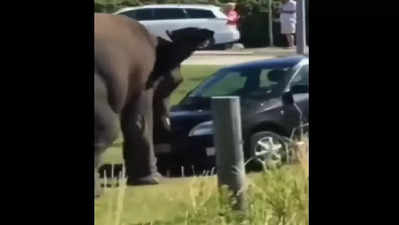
pixel 232 15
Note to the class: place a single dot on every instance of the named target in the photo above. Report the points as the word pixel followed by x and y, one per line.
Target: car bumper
pixel 191 153
pixel 232 36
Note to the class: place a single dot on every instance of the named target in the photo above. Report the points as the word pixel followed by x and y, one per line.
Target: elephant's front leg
pixel 138 147
pixel 162 103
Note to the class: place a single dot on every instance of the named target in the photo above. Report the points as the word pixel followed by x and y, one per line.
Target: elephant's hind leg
pixel 138 147
pixel 106 130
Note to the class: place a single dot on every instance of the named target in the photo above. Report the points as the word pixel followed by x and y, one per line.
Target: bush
pixel 110 6
pixel 254 29
pixel 254 24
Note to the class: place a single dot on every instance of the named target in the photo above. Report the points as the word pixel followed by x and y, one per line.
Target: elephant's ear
pixel 165 60
pixel 184 42
pixel 169 35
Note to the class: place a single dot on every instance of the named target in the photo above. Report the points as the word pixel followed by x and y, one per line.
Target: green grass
pixel 151 203
pixel 274 197
pixel 277 197
pixel 192 75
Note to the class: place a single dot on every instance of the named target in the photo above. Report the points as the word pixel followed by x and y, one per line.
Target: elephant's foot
pixel 97 186
pixel 98 192
pixel 147 180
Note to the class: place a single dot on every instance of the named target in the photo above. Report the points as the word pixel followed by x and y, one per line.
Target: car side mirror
pixel 288 98
pixel 300 89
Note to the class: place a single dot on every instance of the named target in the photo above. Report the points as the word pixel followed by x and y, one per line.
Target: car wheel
pixel 207 44
pixel 267 149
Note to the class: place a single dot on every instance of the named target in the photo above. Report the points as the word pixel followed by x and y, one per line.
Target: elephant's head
pixel 187 40
pixel 170 54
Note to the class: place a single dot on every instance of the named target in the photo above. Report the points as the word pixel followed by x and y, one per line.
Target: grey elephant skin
pixel 135 71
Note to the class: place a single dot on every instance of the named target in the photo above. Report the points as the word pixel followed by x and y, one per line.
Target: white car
pixel 160 18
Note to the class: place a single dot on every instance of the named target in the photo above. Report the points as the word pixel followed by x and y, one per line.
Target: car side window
pixel 200 13
pixel 269 78
pixel 169 14
pixel 140 14
pixel 302 77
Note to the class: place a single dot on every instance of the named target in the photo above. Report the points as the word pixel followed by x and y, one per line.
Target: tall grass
pixel 274 197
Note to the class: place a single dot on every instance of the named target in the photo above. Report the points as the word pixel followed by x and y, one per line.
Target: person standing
pixel 232 15
pixel 288 21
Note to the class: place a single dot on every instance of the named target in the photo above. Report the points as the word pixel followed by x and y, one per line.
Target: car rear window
pixel 139 14
pixel 200 13
pixel 167 14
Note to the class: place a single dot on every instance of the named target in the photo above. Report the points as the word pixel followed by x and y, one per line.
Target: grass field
pixel 278 197
pixel 275 198
pixel 193 75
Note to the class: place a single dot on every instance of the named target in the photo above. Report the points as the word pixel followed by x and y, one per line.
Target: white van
pixel 159 18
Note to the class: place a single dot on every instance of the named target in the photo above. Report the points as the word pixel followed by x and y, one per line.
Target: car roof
pixel 289 61
pixel 191 6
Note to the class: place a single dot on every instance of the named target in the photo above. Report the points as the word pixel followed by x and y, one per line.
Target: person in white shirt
pixel 288 20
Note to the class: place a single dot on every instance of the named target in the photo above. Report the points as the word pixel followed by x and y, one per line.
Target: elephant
pixel 164 79
pixel 131 68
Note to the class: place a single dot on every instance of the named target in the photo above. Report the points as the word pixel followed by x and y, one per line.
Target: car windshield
pixel 246 83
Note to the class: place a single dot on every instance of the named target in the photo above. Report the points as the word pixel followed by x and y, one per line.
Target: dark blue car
pixel 260 86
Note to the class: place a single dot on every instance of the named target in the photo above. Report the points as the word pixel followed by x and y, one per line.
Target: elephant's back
pixel 124 55
pixel 117 29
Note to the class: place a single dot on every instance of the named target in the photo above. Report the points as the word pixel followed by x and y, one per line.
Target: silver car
pixel 160 18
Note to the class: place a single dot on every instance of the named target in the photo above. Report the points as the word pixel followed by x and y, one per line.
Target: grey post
pixel 271 24
pixel 301 27
pixel 229 146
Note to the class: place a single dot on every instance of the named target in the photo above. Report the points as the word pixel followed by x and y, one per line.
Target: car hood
pixel 204 104
pixel 185 117
pixel 182 121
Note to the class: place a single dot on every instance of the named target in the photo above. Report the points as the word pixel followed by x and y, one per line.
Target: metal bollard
pixel 301 28
pixel 229 146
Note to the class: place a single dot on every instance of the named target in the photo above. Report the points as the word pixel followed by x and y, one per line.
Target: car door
pixel 289 115
pixel 145 17
pixel 302 100
pixel 167 19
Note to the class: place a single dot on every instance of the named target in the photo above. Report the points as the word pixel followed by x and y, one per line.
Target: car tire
pixel 265 154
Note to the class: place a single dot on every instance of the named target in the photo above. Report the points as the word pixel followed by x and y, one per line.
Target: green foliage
pixel 110 6
pixel 276 197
